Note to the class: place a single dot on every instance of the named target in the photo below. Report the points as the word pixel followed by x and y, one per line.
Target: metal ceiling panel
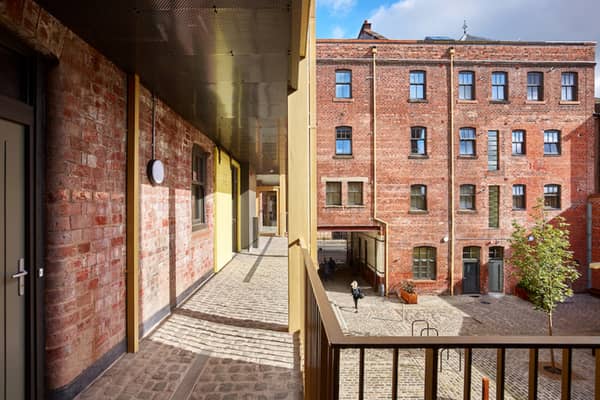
pixel 221 64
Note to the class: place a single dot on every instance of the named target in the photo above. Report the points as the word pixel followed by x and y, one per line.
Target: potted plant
pixel 407 292
pixel 521 291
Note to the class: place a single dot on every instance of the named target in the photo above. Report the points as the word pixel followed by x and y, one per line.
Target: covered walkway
pixel 228 341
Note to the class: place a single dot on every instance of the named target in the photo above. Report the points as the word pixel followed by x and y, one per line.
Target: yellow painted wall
pixel 223 209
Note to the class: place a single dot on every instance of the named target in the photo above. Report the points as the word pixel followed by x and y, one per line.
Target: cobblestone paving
pixel 227 342
pixel 452 316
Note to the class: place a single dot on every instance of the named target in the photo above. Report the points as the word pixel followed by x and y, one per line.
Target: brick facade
pixel 397 170
pixel 85 314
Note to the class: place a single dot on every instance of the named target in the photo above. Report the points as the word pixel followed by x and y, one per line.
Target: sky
pixel 527 20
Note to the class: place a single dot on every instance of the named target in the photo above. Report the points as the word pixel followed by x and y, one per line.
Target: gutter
pixel 375 217
pixel 452 239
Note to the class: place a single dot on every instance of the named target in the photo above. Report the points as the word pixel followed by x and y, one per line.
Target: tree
pixel 544 263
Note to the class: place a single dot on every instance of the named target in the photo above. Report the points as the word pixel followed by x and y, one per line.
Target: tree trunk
pixel 550 334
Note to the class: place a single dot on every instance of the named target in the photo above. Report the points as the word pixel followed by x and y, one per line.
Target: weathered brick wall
pixel 172 257
pixel 85 270
pixel 595 201
pixel 573 170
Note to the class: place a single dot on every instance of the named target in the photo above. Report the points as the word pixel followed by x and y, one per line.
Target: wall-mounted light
pixel 445 239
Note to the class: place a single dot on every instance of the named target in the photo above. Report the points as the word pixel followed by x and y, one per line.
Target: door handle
pixel 20 275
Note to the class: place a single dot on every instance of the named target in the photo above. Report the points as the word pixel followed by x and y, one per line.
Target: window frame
pixel 416 198
pixel 503 85
pixel 470 197
pixel 341 130
pixel 522 144
pixel 539 87
pixel 415 140
pixel 556 195
pixel 490 148
pixel 198 186
pixel 422 85
pixel 471 253
pixel 424 264
pixel 574 87
pixel 519 200
pixel 462 87
pixel 362 200
pixel 328 192
pixel 472 140
pixel 342 84
pixel 556 143
pixel 494 217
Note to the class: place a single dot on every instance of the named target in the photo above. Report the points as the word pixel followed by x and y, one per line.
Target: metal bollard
pixel 485 388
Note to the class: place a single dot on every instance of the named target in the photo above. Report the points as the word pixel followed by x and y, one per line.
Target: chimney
pixel 366 26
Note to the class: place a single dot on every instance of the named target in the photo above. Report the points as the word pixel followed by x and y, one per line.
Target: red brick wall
pixel 595 201
pixel 85 270
pixel 172 256
pixel 573 170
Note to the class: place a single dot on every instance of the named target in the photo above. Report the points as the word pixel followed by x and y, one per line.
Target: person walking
pixel 356 294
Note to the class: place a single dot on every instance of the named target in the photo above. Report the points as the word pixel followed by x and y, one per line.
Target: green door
pixel 12 244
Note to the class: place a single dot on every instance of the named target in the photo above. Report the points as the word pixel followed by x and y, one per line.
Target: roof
pixel 471 38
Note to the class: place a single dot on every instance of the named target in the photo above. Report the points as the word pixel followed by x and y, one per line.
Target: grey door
pixel 12 244
pixel 496 275
pixel 470 277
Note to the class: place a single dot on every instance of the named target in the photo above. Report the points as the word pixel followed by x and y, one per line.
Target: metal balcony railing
pixel 323 340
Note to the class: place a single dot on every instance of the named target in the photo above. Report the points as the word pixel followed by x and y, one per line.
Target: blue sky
pixel 572 20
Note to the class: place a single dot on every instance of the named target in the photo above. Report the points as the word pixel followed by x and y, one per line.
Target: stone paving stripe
pixel 240 323
pixel 189 380
pixel 257 262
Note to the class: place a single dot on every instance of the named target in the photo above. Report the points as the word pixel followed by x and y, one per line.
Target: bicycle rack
pixel 447 350
pixel 412 326
pixel 428 329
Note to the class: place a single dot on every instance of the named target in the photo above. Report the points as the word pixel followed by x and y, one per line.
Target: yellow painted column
pixel 301 159
pixel 223 239
pixel 133 212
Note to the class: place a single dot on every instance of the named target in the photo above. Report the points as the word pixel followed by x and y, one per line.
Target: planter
pixel 409 298
pixel 522 293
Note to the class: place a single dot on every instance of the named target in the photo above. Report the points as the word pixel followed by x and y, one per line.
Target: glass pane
pixel 343 147
pixel 342 77
pixel 342 91
pixel 492 150
pixel 494 204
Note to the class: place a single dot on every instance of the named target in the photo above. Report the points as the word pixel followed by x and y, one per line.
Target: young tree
pixel 543 262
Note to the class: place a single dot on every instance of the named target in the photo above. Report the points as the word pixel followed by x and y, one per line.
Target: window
pixel 417 85
pixel 493 163
pixel 535 86
pixel 343 84
pixel 552 196
pixel 518 196
pixel 551 142
pixel 496 252
pixel 499 92
pixel 343 140
pixel 334 193
pixel 467 142
pixel 471 252
pixel 465 85
pixel 569 86
pixel 355 193
pixel 424 263
pixel 518 142
pixel 494 206
pixel 418 144
pixel 198 185
pixel 418 198
pixel 467 197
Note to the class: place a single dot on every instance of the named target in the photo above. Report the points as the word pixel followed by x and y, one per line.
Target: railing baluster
pixel 395 375
pixel 533 373
pixel 500 373
pixel 336 373
pixel 597 374
pixel 431 373
pixel 565 389
pixel 361 374
pixel 467 376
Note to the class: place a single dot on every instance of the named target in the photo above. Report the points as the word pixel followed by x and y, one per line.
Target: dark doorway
pixel 496 270
pixel 471 270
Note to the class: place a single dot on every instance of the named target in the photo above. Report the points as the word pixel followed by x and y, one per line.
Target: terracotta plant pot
pixel 409 298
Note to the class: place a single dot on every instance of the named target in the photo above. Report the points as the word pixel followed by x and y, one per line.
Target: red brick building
pixel 429 149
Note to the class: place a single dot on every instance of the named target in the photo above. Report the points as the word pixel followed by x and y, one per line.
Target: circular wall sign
pixel 156 172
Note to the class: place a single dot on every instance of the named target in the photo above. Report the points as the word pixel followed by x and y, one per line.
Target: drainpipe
pixel 452 240
pixel 588 235
pixel 375 217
